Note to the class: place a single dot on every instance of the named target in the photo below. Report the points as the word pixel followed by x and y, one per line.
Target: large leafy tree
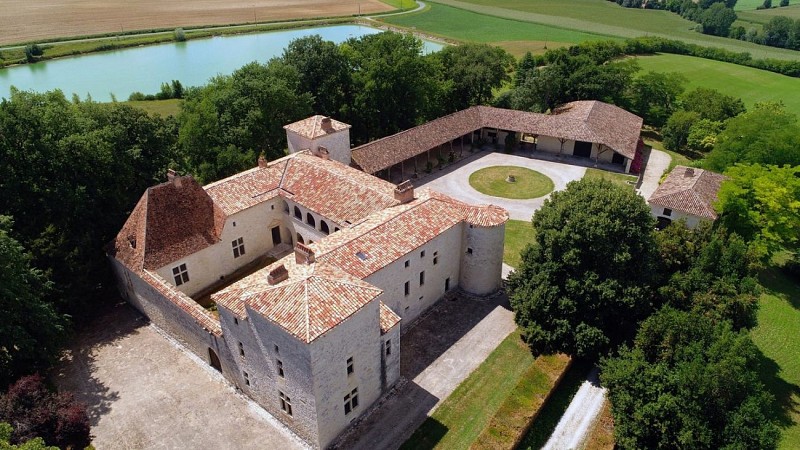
pixel 712 104
pixel 653 96
pixel 762 203
pixel 585 281
pixel 31 331
pixel 689 382
pixel 767 134
pixel 227 123
pixel 475 70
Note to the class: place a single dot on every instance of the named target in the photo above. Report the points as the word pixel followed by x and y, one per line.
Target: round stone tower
pixel 482 257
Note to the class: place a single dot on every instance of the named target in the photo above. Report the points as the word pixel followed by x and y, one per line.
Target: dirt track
pixel 27 20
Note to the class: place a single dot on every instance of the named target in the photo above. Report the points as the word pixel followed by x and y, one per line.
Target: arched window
pixel 297 213
pixel 300 239
pixel 310 220
pixel 323 226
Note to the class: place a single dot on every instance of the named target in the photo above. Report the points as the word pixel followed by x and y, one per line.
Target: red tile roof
pixel 689 190
pixel 590 121
pixel 316 126
pixel 388 319
pixel 314 299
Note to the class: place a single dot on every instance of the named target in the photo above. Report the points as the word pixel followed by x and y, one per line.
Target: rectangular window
pixel 422 278
pixel 286 403
pixel 350 369
pixel 435 260
pixel 469 250
pixel 667 212
pixel 351 401
pixel 407 287
pixel 447 284
pixel 422 254
pixel 407 263
pixel 388 347
pixel 241 350
pixel 246 378
pixel 279 363
pixel 236 321
pixel 277 350
pixel 238 247
pixel 181 274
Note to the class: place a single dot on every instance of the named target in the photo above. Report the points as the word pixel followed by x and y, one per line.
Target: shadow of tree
pixel 787 395
pixel 77 370
pixel 780 285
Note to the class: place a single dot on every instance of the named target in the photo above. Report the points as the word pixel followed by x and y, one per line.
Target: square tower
pixel 325 137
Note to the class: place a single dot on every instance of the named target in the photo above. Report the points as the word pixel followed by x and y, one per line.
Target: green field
pixel 164 108
pixel 519 233
pixel 527 183
pixel 746 5
pixel 514 35
pixel 751 85
pixel 778 337
pixel 592 17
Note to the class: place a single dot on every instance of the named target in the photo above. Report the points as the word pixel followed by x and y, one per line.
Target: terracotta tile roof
pixel 247 188
pixel 316 126
pixel 314 299
pixel 590 121
pixel 388 319
pixel 388 235
pixel 333 190
pixel 171 220
pixel 182 301
pixel 689 190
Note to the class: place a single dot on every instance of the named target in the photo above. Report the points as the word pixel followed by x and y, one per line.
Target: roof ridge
pixel 308 308
pixel 341 176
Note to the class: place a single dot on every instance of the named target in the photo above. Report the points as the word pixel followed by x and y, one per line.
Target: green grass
pixel 747 5
pixel 514 35
pixel 749 84
pixel 401 4
pixel 519 233
pixel 459 420
pixel 778 337
pixel 616 178
pixel 493 181
pixel 159 107
pixel 592 17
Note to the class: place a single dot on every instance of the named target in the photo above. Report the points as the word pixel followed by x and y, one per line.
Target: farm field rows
pixel 598 17
pixel 25 20
pixel 751 85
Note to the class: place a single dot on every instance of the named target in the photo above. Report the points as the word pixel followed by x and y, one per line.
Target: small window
pixel 422 278
pixel 435 260
pixel 447 284
pixel 469 250
pixel 181 274
pixel 286 403
pixel 351 401
pixel 241 349
pixel 407 263
pixel 271 206
pixel 279 363
pixel 350 369
pixel 234 223
pixel 422 254
pixel 297 213
pixel 388 347
pixel 323 226
pixel 277 350
pixel 246 378
pixel 407 287
pixel 235 321
pixel 238 247
pixel 310 220
pixel 667 212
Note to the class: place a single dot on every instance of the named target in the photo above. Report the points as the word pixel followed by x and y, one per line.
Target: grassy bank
pixel 519 233
pixel 749 84
pixel 164 108
pixel 621 179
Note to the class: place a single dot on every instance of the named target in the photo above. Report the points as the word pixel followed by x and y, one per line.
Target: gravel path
pixel 657 164
pixel 580 415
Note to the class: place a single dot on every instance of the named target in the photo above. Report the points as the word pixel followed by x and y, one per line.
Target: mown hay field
pixel 26 20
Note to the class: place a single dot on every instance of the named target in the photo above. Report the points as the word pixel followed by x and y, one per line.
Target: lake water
pixel 143 69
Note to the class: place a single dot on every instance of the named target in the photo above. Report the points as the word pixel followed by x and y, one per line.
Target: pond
pixel 143 69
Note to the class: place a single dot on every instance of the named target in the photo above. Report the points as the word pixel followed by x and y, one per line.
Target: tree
pixel 324 73
pixel 768 134
pixel 778 31
pixel 5 441
pixel 226 124
pixel 585 281
pixel 654 96
pixel 475 71
pixel 712 104
pixel 717 19
pixel 703 135
pixel 688 383
pixel 31 331
pixel 33 411
pixel 526 68
pixel 676 130
pixel 762 203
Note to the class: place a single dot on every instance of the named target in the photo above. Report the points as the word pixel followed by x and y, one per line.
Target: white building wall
pixel 357 337
pixel 553 145
pixel 391 362
pixel 338 144
pixel 301 226
pixel 692 221
pixel 605 156
pixel 391 279
pixel 253 225
pixel 482 259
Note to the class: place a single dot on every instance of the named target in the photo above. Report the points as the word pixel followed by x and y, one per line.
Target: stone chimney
pixel 326 123
pixel 174 178
pixel 323 153
pixel 262 162
pixel 689 172
pixel 404 192
pixel 303 254
pixel 277 275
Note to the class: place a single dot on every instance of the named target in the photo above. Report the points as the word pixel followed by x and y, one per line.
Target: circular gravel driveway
pixel 455 183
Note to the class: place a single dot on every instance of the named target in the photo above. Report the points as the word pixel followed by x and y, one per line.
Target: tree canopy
pixel 688 382
pixel 474 70
pixel 711 104
pixel 586 280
